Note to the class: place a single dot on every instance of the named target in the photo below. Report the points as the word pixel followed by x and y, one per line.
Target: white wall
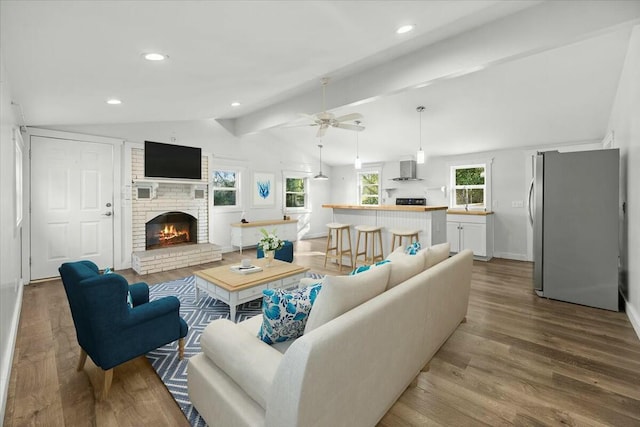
pixel 625 124
pixel 10 237
pixel 255 153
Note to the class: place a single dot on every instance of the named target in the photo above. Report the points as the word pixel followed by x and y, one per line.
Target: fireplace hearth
pixel 170 229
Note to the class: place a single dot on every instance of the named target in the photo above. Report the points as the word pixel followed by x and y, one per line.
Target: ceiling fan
pixel 325 120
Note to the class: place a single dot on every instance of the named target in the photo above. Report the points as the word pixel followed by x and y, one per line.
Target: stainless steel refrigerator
pixel 573 207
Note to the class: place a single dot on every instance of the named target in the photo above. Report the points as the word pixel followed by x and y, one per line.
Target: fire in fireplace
pixel 171 228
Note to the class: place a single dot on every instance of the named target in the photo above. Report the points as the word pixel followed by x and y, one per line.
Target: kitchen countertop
pixel 470 212
pixel 407 208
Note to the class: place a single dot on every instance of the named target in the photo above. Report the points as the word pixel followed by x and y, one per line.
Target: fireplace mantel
pixel 152 185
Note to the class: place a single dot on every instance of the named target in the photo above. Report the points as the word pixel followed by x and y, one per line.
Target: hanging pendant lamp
pixel 320 175
pixel 420 154
pixel 358 162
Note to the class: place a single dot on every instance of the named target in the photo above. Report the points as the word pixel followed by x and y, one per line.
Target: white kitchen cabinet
pixel 471 231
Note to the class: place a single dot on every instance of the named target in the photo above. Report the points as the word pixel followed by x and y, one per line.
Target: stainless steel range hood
pixel 408 169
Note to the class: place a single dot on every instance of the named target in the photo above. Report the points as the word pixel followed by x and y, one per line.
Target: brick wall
pixel 169 197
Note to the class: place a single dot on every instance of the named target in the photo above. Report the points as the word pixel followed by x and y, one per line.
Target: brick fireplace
pixel 161 219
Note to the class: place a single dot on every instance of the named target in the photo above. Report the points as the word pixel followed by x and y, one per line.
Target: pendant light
pixel 320 175
pixel 358 163
pixel 420 153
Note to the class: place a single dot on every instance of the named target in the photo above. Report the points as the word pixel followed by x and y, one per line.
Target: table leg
pixel 233 302
pixel 196 292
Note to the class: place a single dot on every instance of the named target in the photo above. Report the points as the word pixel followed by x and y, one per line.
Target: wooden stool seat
pixel 338 250
pixel 369 253
pixel 398 233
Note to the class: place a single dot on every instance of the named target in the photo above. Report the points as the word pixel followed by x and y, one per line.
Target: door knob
pixel 108 214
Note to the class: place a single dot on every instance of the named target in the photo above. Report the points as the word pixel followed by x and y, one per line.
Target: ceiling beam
pixel 544 27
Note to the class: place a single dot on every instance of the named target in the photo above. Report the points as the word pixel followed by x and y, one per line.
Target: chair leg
pixel 83 359
pixel 181 348
pixel 108 377
pixel 326 252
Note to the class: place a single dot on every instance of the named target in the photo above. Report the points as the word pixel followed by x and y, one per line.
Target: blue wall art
pixel 263 189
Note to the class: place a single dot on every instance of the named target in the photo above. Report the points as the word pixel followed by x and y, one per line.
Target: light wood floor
pixel 519 360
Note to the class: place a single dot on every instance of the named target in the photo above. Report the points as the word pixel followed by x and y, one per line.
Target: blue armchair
pixel 110 331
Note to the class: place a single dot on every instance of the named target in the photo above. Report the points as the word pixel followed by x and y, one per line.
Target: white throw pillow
pixel 435 254
pixel 404 266
pixel 340 294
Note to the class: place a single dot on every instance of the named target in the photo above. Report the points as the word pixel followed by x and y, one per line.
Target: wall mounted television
pixel 172 161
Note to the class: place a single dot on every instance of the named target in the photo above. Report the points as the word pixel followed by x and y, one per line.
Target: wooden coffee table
pixel 235 288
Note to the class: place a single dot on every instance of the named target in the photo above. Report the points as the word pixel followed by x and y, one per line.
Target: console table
pixel 248 234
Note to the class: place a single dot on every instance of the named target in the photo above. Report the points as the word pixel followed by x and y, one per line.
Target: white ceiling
pixel 497 74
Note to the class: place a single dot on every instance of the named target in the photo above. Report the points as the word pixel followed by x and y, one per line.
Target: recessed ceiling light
pixel 235 104
pixel 114 101
pixel 154 56
pixel 404 29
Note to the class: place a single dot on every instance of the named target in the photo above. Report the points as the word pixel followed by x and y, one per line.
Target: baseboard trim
pixel 508 255
pixel 5 373
pixel 314 235
pixel 633 316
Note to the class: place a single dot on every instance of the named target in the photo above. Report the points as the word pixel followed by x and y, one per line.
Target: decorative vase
pixel 269 256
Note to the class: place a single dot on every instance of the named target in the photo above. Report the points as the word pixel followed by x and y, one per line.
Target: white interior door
pixel 71 204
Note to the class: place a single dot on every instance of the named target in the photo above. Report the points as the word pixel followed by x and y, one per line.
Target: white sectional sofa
pixel 348 371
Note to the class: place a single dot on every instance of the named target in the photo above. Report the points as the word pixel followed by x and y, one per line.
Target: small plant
pixel 270 242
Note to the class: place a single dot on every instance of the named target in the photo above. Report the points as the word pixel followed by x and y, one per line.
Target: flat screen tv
pixel 172 161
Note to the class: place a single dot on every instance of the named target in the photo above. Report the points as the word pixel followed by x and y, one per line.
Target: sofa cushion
pixel 285 313
pixel 253 325
pixel 249 362
pixel 404 266
pixel 435 254
pixel 340 294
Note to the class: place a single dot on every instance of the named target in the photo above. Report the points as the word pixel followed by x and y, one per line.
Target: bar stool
pixel 369 253
pixel 399 234
pixel 337 250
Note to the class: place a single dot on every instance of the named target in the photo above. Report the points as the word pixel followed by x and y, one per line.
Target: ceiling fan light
pixel 358 163
pixel 420 157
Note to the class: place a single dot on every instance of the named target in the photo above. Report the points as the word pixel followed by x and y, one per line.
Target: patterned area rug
pixel 171 370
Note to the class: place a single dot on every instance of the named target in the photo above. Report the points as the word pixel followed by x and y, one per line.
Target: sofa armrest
pixel 250 362
pixel 152 310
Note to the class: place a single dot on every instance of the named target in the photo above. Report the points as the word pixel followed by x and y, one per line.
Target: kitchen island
pixel 430 220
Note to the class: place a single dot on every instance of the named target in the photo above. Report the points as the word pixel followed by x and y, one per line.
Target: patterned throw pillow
pixel 413 248
pixel 285 313
pixel 363 268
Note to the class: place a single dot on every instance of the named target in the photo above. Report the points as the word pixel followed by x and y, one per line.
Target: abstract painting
pixel 263 189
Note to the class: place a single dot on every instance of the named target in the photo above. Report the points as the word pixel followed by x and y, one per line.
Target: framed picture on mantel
pixel 263 190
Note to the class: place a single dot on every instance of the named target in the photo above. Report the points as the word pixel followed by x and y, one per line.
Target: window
pixel 468 184
pixel 369 188
pixel 295 193
pixel 225 188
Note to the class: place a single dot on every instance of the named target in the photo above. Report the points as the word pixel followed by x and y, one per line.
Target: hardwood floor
pixel 518 360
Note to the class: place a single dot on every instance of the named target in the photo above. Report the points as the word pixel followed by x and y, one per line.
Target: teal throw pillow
pixel 413 248
pixel 363 268
pixel 285 313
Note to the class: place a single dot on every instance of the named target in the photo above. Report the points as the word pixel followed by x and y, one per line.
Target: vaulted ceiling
pixel 491 74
